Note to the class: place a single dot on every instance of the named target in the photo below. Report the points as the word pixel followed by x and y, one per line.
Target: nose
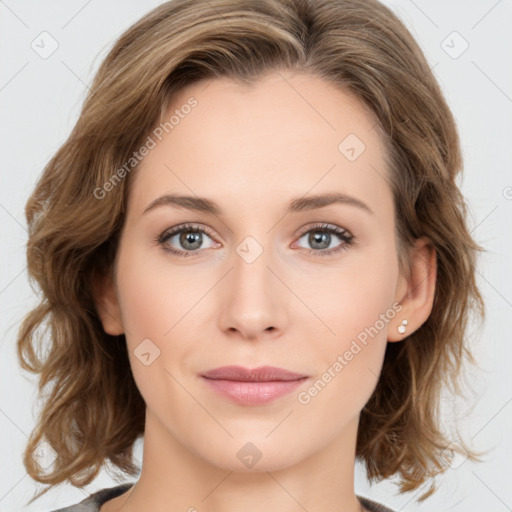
pixel 254 301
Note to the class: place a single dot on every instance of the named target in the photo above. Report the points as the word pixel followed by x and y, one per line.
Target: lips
pixel 258 386
pixel 261 374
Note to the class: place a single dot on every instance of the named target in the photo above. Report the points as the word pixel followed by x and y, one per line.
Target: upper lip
pixel 260 374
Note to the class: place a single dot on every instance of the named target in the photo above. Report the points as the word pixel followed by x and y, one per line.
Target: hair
pixel 92 411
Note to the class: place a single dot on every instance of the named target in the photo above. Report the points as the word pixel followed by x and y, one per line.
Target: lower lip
pixel 253 393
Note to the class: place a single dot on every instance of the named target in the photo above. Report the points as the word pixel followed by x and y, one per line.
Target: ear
pixel 107 304
pixel 415 291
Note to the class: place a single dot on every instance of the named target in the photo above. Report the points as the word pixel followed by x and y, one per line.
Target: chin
pixel 242 455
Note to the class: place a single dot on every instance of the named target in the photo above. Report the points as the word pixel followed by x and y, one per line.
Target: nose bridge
pixel 253 301
pixel 251 276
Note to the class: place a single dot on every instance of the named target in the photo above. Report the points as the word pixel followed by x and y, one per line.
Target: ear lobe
pixel 107 304
pixel 418 298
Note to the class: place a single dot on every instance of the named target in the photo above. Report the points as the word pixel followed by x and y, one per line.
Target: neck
pixel 175 478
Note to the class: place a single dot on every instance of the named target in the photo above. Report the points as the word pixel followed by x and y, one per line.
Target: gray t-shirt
pixel 94 501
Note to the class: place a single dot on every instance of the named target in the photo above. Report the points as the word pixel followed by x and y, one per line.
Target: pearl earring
pixel 401 328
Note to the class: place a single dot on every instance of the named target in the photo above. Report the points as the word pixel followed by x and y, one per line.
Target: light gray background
pixel 40 101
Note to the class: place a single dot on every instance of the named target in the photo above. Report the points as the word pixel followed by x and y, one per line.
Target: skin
pixel 252 150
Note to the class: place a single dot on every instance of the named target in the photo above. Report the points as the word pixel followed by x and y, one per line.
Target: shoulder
pixel 373 506
pixel 94 501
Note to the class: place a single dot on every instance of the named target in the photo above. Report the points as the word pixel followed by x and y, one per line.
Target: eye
pixel 187 236
pixel 191 238
pixel 321 239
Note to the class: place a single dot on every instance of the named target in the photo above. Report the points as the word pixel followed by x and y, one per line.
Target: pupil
pixel 191 238
pixel 318 237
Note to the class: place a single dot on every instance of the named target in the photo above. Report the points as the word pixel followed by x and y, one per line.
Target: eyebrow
pixel 204 205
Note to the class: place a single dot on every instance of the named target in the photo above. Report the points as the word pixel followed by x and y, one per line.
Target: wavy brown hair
pixel 92 411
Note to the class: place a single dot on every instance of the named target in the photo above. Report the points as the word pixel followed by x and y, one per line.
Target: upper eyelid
pixel 182 227
pixel 327 227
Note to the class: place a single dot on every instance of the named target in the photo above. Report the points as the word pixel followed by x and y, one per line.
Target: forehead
pixel 284 134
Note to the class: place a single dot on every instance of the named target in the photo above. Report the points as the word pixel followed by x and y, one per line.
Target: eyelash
pixel 343 234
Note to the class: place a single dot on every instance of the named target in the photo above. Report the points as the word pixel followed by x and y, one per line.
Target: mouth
pixel 257 386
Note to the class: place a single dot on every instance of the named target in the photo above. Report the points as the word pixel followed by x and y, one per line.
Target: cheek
pixel 154 302
pixel 155 293
pixel 159 302
pixel 354 296
pixel 356 308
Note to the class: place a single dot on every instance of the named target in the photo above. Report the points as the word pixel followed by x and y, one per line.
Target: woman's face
pixel 277 276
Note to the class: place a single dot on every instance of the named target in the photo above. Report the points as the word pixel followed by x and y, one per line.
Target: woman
pixel 253 252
